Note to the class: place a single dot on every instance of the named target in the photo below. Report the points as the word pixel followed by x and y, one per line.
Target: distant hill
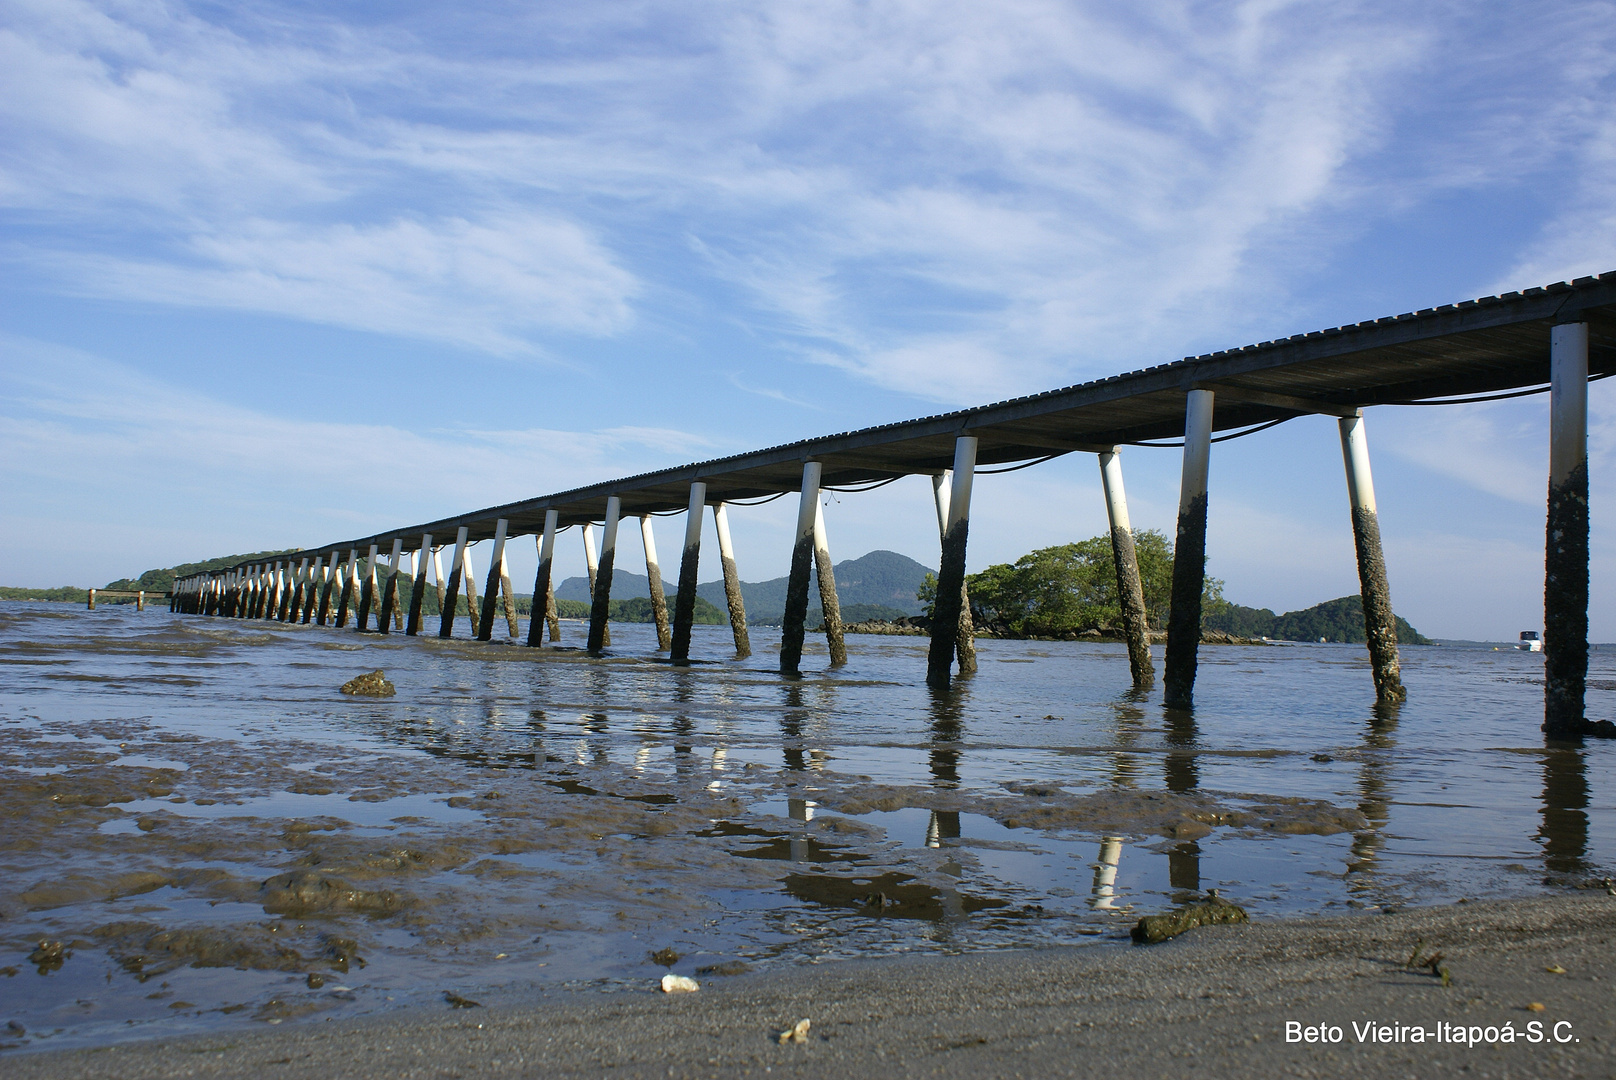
pixel 1339 620
pixel 881 580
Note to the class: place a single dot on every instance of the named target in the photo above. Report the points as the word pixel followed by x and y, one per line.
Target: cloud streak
pixel 1004 197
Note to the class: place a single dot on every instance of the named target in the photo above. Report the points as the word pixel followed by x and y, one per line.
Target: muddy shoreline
pixel 1222 996
pixel 199 832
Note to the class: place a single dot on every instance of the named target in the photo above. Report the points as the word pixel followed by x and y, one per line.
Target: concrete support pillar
pixel 300 581
pixel 347 585
pixel 1130 590
pixel 333 578
pixel 732 583
pixel 555 614
pixel 496 565
pixel 802 560
pixel 449 600
pixel 284 578
pixel 367 592
pixel 942 487
pixel 945 617
pixel 829 605
pixel 508 597
pixel 405 573
pixel 592 567
pixel 684 602
pixel 468 583
pixel 542 604
pixel 1565 556
pixel 418 592
pixel 653 574
pixel 260 591
pixel 250 592
pixel 601 594
pixel 311 594
pixel 1380 625
pixel 437 576
pixel 384 622
pixel 1189 555
pixel 272 591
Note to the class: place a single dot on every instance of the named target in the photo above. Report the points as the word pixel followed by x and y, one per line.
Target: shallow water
pixel 192 809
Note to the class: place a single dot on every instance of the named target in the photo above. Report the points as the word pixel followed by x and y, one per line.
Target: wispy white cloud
pixel 1006 196
pixel 78 428
pixel 480 284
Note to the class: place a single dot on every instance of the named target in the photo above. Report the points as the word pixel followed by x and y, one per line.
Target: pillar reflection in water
pixel 794 724
pixel 1130 718
pixel 1181 773
pixel 800 810
pixel 792 721
pixel 947 731
pixel 684 729
pixel 1103 895
pixel 1374 795
pixel 1564 832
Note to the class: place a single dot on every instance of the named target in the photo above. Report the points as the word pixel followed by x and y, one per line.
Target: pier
pixel 1553 340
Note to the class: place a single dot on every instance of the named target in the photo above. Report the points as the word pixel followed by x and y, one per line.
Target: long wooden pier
pixel 1553 339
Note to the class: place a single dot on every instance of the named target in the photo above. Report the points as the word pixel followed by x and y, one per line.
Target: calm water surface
pixel 217 837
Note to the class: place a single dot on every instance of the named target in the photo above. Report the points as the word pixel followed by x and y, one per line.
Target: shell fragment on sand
pixel 796 1033
pixel 679 984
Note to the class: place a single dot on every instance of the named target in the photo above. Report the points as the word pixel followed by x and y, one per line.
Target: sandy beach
pixel 1214 1003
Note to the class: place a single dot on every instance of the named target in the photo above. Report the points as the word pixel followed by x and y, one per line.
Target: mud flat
pixel 1213 1003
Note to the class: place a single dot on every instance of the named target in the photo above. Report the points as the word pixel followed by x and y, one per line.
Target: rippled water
pixel 203 822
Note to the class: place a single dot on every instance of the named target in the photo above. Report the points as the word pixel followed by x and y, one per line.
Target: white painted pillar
pixel 1380 624
pixel 449 598
pixel 802 558
pixel 496 566
pixel 965 648
pixel 1565 582
pixel 945 620
pixel 601 598
pixel 1130 589
pixel 542 609
pixel 418 589
pixel 1189 555
pixel 389 601
pixel 732 583
pixel 684 602
pixel 829 605
pixel 653 575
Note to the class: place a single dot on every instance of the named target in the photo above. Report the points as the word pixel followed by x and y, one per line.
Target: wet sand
pixel 1213 1003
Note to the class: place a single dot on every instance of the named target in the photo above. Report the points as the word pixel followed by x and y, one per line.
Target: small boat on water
pixel 1530 641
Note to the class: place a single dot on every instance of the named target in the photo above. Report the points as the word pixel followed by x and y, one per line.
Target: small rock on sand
pixel 1155 928
pixel 679 984
pixel 370 684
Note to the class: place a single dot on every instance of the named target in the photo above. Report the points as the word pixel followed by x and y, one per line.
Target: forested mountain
pixel 881 584
pixel 1334 620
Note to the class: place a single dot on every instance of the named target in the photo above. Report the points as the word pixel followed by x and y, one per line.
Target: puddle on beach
pixel 215 836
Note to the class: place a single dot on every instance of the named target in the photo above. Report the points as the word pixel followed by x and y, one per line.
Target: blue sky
pixel 275 274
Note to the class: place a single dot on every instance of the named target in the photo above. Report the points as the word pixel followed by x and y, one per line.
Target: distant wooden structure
pixel 1553 339
pixel 139 596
